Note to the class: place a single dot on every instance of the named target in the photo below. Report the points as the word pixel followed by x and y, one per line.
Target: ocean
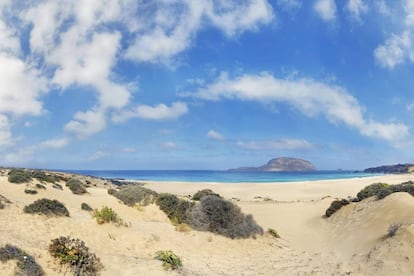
pixel 220 176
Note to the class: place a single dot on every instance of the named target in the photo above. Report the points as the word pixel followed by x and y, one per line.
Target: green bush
pixel 169 259
pixel 132 195
pixel 112 191
pixel 43 177
pixel 86 207
pixel 40 186
pixel 407 187
pixel 19 176
pixel 202 193
pixel 220 216
pixel 272 232
pixel 371 190
pixel 30 192
pixel 335 206
pixel 75 254
pixel 76 186
pixel 107 215
pixel 57 186
pixel 47 207
pixel 176 209
pixel 26 264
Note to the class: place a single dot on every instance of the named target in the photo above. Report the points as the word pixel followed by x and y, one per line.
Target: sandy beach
pixel 351 242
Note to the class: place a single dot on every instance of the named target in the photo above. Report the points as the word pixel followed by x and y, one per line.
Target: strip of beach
pixel 353 241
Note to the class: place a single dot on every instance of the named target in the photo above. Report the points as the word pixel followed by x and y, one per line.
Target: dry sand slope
pixel 351 242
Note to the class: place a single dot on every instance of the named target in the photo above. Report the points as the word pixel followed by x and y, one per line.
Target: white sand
pixel 352 241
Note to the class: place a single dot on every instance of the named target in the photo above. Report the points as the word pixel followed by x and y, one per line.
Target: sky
pixel 205 84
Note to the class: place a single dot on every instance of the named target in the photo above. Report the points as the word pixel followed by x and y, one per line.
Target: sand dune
pixel 351 242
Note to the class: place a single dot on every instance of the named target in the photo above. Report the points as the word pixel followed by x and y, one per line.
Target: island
pixel 394 169
pixel 280 164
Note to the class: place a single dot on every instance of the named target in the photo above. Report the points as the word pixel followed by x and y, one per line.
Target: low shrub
pixel 43 177
pixel 76 186
pixel 57 186
pixel 169 260
pixel 30 192
pixel 272 232
pixel 86 207
pixel 112 191
pixel 40 186
pixel 47 207
pixel 19 176
pixel 75 254
pixel 107 215
pixel 371 190
pixel 26 264
pixel 407 187
pixel 335 206
pixel 202 193
pixel 393 228
pixel 132 195
pixel 176 209
pixel 220 216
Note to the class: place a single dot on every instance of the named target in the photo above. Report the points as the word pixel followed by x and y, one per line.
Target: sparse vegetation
pixel 40 186
pixel 30 192
pixel 176 209
pixel 43 177
pixel 272 232
pixel 220 216
pixel 169 260
pixel 26 264
pixel 202 193
pixel 86 207
pixel 57 186
pixel 132 195
pixel 3 201
pixel 371 190
pixel 112 191
pixel 107 215
pixel 76 186
pixel 19 176
pixel 47 207
pixel 335 206
pixel 393 228
pixel 75 254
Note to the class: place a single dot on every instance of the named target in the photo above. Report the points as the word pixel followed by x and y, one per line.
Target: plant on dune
pixel 272 232
pixel 202 193
pixel 220 216
pixel 407 187
pixel 175 208
pixel 169 259
pixel 40 186
pixel 26 264
pixel 76 186
pixel 43 177
pixel 47 207
pixel 132 195
pixel 393 228
pixel 335 206
pixel 19 176
pixel 30 192
pixel 107 215
pixel 4 200
pixel 75 253
pixel 86 207
pixel 371 190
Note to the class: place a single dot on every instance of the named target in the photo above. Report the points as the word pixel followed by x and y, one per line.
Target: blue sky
pixel 207 84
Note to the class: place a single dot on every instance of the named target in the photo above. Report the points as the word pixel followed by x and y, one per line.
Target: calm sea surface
pixel 221 176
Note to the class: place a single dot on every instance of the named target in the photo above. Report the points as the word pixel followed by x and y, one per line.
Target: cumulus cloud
pixel 356 8
pixel 212 134
pixel 282 144
pixel 86 123
pixel 308 96
pixel 55 143
pixel 326 9
pixel 158 112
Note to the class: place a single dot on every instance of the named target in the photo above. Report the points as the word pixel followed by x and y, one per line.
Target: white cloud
pixel 383 8
pixel 55 143
pixel 168 145
pixel 290 4
pixel 97 155
pixel 282 144
pixel 308 96
pixel 326 9
pixel 356 8
pixel 173 25
pixel 86 123
pixel 5 133
pixel 158 112
pixel 212 134
pixel 409 10
pixel 395 50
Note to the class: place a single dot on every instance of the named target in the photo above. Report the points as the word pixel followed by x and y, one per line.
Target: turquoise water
pixel 221 176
